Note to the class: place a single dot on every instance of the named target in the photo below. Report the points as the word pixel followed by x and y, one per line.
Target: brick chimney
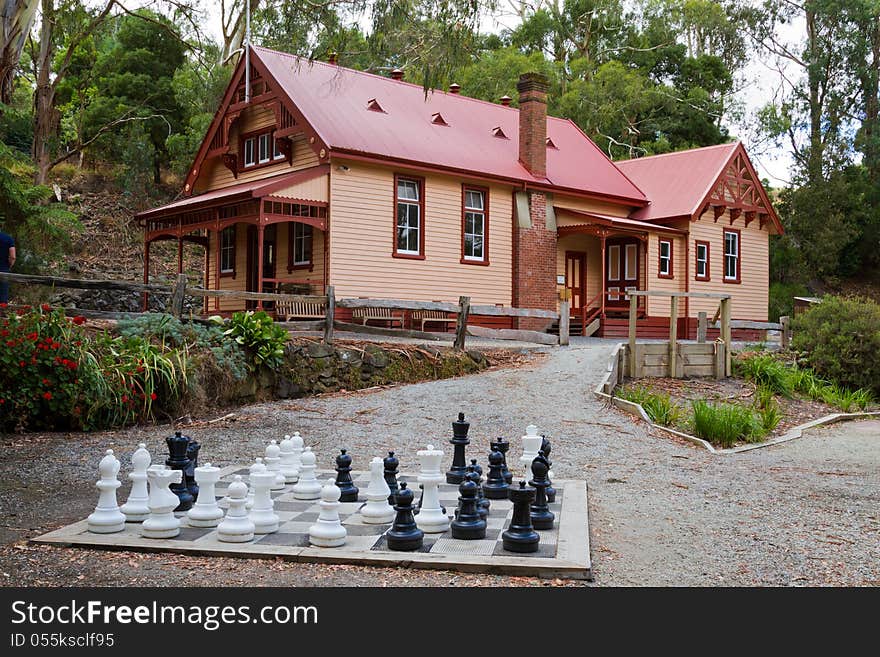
pixel 397 74
pixel 534 262
pixel 532 89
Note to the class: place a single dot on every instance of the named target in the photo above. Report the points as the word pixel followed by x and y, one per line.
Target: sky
pixel 772 163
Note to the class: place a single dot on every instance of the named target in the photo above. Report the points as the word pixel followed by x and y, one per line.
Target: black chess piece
pixel 501 445
pixel 343 478
pixel 177 460
pixel 404 535
pixel 469 523
pixel 482 502
pixel 520 536
pixel 189 473
pixel 477 467
pixel 455 474
pixel 391 463
pixel 546 447
pixel 495 487
pixel 542 516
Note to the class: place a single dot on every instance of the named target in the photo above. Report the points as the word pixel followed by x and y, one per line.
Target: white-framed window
pixel 474 225
pixel 409 216
pixel 731 255
pixel 630 267
pixel 227 250
pixel 665 266
pixel 614 263
pixel 249 158
pixel 263 147
pixel 702 255
pixel 302 244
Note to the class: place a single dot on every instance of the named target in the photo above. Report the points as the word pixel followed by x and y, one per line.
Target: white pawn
pixel 531 443
pixel 377 511
pixel 205 512
pixel 308 487
pixel 290 458
pixel 236 527
pixel 107 518
pixel 328 530
pixel 137 507
pixel 258 466
pixel 162 523
pixel 262 513
pixel 273 463
pixel 431 518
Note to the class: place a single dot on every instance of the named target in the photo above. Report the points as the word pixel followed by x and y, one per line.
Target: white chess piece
pixel 431 518
pixel 531 443
pixel 290 459
pixel 308 487
pixel 205 512
pixel 162 523
pixel 107 518
pixel 258 466
pixel 236 527
pixel 273 464
pixel 328 530
pixel 377 511
pixel 262 513
pixel 137 507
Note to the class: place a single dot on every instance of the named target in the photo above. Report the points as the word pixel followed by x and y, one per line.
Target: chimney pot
pixel 397 74
pixel 505 100
pixel 332 58
pixel 532 88
pixel 454 88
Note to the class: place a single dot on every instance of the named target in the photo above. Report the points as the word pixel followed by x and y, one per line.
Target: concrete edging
pixel 637 410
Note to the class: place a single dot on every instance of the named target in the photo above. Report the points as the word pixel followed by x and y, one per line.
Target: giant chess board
pixel 563 551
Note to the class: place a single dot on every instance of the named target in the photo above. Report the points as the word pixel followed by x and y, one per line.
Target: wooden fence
pixel 463 310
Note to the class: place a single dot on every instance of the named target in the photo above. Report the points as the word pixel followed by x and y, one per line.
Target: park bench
pixel 288 310
pixel 426 316
pixel 378 314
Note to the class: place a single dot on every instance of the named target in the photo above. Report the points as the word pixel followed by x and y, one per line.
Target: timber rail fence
pixel 462 310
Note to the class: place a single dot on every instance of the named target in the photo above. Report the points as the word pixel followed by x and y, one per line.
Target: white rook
pixel 431 518
pixel 531 443
pixel 206 512
pixel 263 511
pixel 162 523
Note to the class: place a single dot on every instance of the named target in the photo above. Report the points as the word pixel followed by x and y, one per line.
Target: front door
pixel 621 271
pixel 269 258
pixel 575 278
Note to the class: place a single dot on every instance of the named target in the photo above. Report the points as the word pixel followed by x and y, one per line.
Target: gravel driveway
pixel 662 512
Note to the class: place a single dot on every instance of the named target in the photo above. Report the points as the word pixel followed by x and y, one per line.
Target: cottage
pixel 312 175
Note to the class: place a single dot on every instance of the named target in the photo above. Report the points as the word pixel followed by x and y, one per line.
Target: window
pixel 249 159
pixel 301 248
pixel 475 217
pixel 277 153
pixel 614 263
pixel 731 256
pixel 227 250
pixel 665 268
pixel 409 237
pixel 701 270
pixel 260 149
pixel 263 143
pixel 630 267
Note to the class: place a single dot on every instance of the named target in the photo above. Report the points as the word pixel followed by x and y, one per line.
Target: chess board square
pixel 382 545
pixel 295 526
pixel 366 530
pixel 497 513
pixel 459 546
pixel 284 516
pixel 495 522
pixel 285 538
pixel 283 505
pixel 544 551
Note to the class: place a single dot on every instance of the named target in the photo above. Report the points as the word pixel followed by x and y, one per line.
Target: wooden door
pixel 252 260
pixel 575 278
pixel 621 270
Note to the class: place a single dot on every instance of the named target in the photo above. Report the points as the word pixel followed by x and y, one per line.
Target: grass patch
pixel 659 406
pixel 725 424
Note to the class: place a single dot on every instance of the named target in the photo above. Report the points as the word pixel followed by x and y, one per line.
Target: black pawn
pixel 477 467
pixel 456 473
pixel 482 502
pixel 469 523
pixel 501 445
pixel 177 460
pixel 542 516
pixel 519 535
pixel 343 478
pixel 546 447
pixel 495 487
pixel 391 464
pixel 404 535
pixel 189 474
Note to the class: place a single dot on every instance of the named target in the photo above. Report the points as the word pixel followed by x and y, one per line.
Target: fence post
pixel 330 315
pixel 702 327
pixel 785 333
pixel 178 296
pixel 631 352
pixel 726 335
pixel 564 320
pixel 464 309
pixel 673 334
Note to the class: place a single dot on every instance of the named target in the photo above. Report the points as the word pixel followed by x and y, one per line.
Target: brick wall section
pixel 532 89
pixel 535 270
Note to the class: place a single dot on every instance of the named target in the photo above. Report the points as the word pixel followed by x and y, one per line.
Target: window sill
pixel 227 274
pixel 733 281
pixel 666 276
pixel 407 256
pixel 479 263
pixel 309 266
pixel 702 279
pixel 264 165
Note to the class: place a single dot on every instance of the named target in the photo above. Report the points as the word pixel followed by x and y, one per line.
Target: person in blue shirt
pixel 7 259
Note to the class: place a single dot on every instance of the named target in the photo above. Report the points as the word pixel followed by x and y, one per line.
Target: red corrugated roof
pixel 609 220
pixel 335 102
pixel 677 183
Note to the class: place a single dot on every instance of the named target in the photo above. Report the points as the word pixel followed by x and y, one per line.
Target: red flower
pixel 78 320
pixel 4 305
pixel 4 333
pixel 153 396
pixel 47 395
pixel 124 398
pixel 46 307
pixel 2 401
pixel 47 382
pixel 21 363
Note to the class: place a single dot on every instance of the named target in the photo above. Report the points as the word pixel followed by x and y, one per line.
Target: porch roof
pixel 620 223
pixel 239 192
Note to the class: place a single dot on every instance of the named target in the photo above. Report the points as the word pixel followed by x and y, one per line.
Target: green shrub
pixel 781 301
pixel 725 424
pixel 764 397
pixel 259 335
pixel 769 417
pixel 659 406
pixel 840 339
pixel 767 371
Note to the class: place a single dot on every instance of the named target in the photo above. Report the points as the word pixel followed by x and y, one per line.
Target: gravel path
pixel 662 512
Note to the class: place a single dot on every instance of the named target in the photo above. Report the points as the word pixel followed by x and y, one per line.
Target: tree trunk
pixel 870 83
pixel 45 114
pixel 16 20
pixel 814 161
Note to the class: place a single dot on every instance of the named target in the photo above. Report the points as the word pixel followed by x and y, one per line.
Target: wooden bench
pixel 425 316
pixel 378 314
pixel 287 310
